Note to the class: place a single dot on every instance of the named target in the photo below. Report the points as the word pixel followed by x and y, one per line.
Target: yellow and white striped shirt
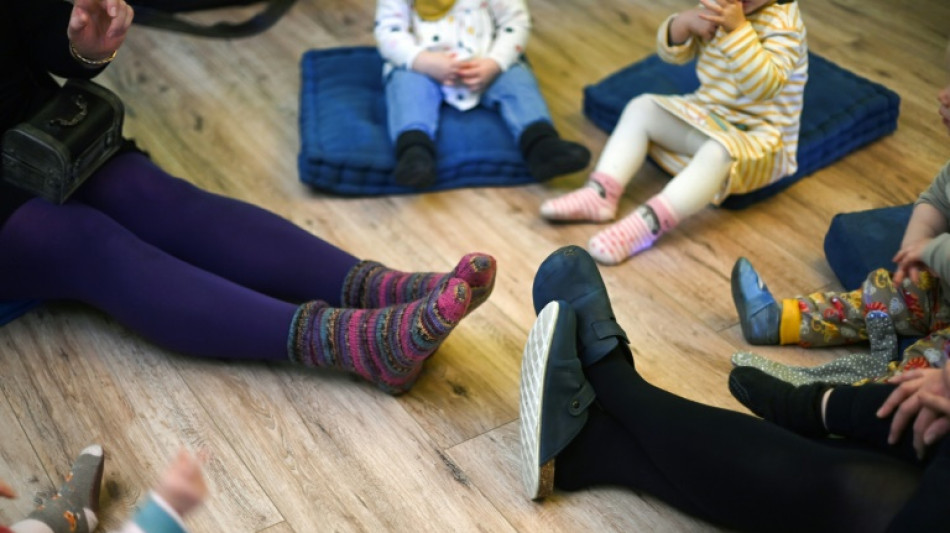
pixel 752 84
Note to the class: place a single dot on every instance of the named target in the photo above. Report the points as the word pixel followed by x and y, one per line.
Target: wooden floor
pixel 307 451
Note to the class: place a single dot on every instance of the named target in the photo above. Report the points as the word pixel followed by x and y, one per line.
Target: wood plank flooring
pixel 306 451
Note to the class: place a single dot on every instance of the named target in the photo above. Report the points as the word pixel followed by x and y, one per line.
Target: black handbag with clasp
pixel 53 153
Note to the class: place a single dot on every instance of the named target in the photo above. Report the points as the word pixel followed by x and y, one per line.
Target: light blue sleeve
pixel 156 516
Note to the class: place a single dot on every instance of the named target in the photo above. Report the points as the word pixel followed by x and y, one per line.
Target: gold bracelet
pixel 91 62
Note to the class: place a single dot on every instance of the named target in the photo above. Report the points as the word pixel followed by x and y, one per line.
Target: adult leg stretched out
pixel 726 467
pixel 214 277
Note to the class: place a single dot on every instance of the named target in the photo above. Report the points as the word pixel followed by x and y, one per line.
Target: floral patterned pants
pixel 916 309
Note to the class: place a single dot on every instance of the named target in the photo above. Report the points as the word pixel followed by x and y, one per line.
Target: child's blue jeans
pixel 413 101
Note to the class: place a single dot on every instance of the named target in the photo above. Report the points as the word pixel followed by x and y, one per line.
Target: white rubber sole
pixel 534 362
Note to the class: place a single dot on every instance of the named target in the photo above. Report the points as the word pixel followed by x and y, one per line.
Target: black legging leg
pixel 928 508
pixel 742 472
pixel 852 412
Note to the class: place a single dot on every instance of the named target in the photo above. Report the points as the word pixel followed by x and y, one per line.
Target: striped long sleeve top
pixel 752 84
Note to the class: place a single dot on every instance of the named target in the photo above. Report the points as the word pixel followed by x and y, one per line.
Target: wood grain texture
pixel 303 451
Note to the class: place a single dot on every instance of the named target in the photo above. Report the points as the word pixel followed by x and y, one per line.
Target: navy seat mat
pixel 842 111
pixel 345 146
pixel 860 242
pixel 863 241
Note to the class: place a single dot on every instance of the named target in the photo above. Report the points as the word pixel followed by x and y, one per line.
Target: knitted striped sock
pixel 634 233
pixel 596 201
pixel 386 346
pixel 370 284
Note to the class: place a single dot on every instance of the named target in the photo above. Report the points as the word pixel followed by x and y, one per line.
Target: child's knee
pixel 642 105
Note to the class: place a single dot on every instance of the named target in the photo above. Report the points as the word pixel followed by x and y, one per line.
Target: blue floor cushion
pixel 842 111
pixel 345 147
pixel 10 310
pixel 858 243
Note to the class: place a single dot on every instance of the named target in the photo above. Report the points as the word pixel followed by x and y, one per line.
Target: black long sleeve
pixel 33 44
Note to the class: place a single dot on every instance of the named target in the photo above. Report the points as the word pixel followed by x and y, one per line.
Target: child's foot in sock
pixel 415 160
pixel 371 284
pixel 794 408
pixel 75 506
pixel 596 201
pixel 634 233
pixel 547 155
pixel 386 346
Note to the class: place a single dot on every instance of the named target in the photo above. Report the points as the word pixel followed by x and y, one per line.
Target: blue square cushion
pixel 345 147
pixel 10 310
pixel 858 243
pixel 842 111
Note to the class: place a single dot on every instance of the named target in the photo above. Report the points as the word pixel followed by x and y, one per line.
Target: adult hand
pixel 940 404
pixel 909 261
pixel 725 13
pixel 691 22
pixel 97 28
pixel 6 491
pixel 905 403
pixel 477 74
pixel 440 66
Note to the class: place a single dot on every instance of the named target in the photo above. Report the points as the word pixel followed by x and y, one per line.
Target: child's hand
pixel 689 23
pixel 909 261
pixel 440 66
pixel 477 74
pixel 725 13
pixel 182 485
pixel 944 98
pixel 6 491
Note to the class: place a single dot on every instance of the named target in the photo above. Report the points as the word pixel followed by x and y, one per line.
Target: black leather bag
pixel 164 14
pixel 51 154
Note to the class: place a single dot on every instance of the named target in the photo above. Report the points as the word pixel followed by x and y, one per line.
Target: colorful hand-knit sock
pixel 370 284
pixel 386 346
pixel 794 408
pixel 596 201
pixel 73 509
pixel 634 233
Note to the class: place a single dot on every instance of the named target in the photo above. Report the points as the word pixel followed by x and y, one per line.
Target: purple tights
pixel 192 271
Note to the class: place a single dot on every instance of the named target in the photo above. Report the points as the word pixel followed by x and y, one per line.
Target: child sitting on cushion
pixel 466 53
pixel 737 133
pixel 916 295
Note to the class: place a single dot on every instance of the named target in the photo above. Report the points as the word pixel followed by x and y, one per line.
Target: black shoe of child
pixel 415 160
pixel 548 155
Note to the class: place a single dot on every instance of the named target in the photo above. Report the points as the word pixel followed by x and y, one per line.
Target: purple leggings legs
pixel 190 270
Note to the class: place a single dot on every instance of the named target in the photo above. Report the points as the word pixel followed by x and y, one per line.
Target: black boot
pixel 547 155
pixel 415 159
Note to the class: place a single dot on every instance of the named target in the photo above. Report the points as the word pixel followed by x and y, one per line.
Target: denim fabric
pixel 413 101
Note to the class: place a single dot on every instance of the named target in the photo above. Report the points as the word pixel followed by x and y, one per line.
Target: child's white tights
pixel 642 122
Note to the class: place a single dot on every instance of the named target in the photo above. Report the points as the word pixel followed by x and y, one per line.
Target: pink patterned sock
pixel 634 233
pixel 596 201
pixel 386 346
pixel 371 284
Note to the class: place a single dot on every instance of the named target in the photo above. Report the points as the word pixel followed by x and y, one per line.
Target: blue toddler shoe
pixel 759 314
pixel 555 396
